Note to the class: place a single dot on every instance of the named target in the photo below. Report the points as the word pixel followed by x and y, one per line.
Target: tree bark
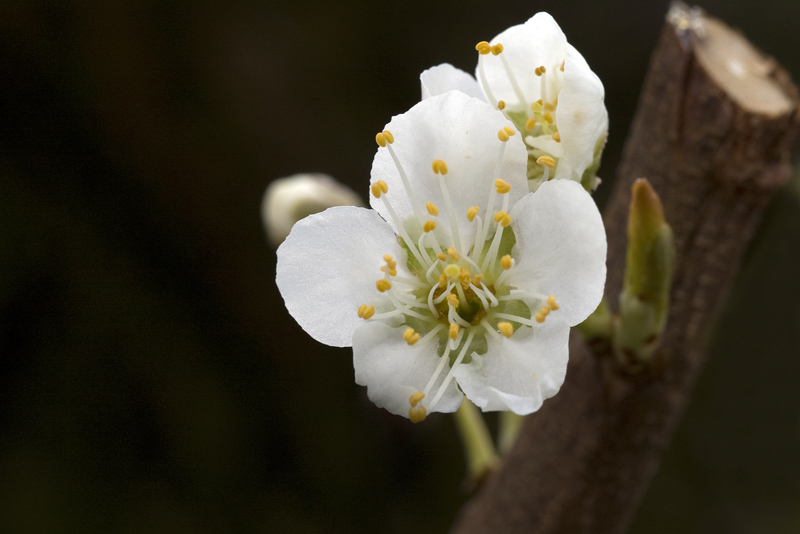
pixel 712 133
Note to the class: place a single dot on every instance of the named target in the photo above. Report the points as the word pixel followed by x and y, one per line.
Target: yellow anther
pixel 452 300
pixel 379 188
pixel 509 130
pixel 441 256
pixel 415 398
pixel 545 311
pixel 505 262
pixel 546 160
pixel 464 276
pixel 453 333
pixel 380 138
pixel 501 186
pixel 388 258
pixel 478 279
pixel 539 317
pixel 483 48
pixel 383 285
pixel 562 65
pixel 432 209
pixel 410 336
pixel 557 137
pixel 549 117
pixel 442 280
pixel 365 311
pixel 497 49
pixel 502 135
pixel 417 414
pixel 472 213
pixel 439 167
pixel 453 253
pixel 501 105
pixel 549 107
pixel 540 70
pixel 505 328
pixel 388 136
pixel 536 107
pixel 429 226
pixel 530 124
pixel 551 301
pixel 451 271
pixel 499 216
pixel 506 221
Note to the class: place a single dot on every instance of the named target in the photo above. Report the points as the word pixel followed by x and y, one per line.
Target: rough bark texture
pixel 583 462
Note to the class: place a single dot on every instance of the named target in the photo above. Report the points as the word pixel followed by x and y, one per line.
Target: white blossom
pixel 546 88
pixel 459 281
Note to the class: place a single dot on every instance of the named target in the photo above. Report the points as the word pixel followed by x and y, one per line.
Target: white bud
pixel 287 200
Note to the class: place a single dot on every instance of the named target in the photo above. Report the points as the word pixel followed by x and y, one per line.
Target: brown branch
pixel 712 134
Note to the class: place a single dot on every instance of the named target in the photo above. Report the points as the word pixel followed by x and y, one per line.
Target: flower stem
pixel 510 423
pixel 479 451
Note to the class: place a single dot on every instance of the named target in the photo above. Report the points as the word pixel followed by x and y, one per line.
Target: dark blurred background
pixel 150 377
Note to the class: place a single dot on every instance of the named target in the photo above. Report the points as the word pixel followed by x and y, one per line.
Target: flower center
pixel 534 118
pixel 457 293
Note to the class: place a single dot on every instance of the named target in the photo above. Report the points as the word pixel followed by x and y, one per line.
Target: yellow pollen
pixel 472 212
pixel 439 167
pixel 562 66
pixel 499 216
pixel 453 253
pixel 549 107
pixel 557 137
pixel 501 186
pixel 546 160
pixel 501 105
pixel 463 275
pixel 551 301
pixel 497 49
pixel 505 262
pixel 429 226
pixel 506 220
pixel 545 311
pixel 478 279
pixel 549 117
pixel 505 328
pixel 452 300
pixel 380 139
pixel 365 311
pixel 453 333
pixel 502 135
pixel 388 136
pixel 536 107
pixel 483 48
pixel 530 124
pixel 451 271
pixel 417 415
pixel 509 130
pixel 442 280
pixel 539 317
pixel 383 285
pixel 378 188
pixel 410 336
pixel 441 256
pixel 432 209
pixel 415 398
pixel 388 258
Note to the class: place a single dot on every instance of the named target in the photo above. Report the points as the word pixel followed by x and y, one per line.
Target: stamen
pixel 443 296
pixel 497 49
pixel 515 318
pixel 401 229
pixel 432 209
pixel 505 262
pixel 557 137
pixel 501 186
pixel 562 65
pixel 440 168
pixel 493 300
pixel 546 160
pixel 503 135
pixel 415 398
pixel 479 293
pixel 472 212
pixel 549 118
pixel 453 332
pixel 365 311
pixel 441 256
pixel 483 48
pixel 418 414
pixel 452 300
pixel 429 226
pixel 511 78
pixel 545 311
pixel 410 337
pixel 505 328
pixel 502 218
pixel 530 124
pixel 458 361
pixel 501 105
pixel 378 188
pixel 431 306
pixel 454 253
pixel 383 285
pixel 551 301
pixel 409 192
pixel 539 317
pixel 540 70
pixel 490 330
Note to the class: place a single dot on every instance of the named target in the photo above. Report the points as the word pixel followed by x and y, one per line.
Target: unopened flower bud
pixel 287 200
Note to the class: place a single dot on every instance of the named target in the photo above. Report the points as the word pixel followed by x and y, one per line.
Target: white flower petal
pixel 538 42
pixel 445 77
pixel 519 373
pixel 462 131
pixel 393 371
pixel 328 267
pixel 581 114
pixel 547 144
pixel 561 245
